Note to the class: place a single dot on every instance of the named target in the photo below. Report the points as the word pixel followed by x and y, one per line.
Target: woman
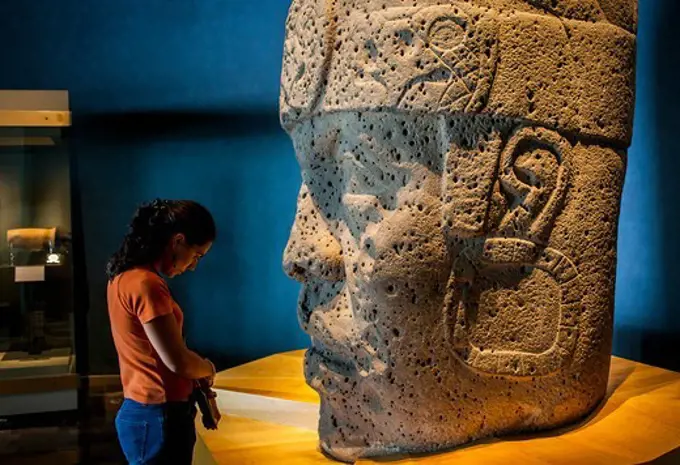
pixel 155 424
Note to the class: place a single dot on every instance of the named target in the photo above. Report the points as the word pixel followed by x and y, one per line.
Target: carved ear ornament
pixel 498 253
pixel 495 252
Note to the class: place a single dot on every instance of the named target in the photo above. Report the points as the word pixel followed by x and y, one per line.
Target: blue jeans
pixel 157 434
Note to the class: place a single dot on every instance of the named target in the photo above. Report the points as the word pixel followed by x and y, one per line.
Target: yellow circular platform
pixel 270 417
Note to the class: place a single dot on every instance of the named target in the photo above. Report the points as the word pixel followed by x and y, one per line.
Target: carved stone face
pixel 455 243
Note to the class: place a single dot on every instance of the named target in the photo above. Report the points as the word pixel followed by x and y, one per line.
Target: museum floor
pixel 69 442
pixel 66 441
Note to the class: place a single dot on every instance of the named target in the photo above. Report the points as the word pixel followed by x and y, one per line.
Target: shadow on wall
pixel 663 348
pixel 108 178
pixel 125 55
pixel 648 277
pixel 238 303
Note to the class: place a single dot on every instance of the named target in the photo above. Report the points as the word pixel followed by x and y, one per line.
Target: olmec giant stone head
pixel 455 237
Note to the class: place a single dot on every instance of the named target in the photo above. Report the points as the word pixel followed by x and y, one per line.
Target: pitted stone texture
pixel 572 72
pixel 456 225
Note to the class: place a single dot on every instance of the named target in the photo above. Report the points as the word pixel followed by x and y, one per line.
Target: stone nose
pixel 312 251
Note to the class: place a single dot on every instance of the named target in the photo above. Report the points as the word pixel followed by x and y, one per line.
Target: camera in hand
pixel 205 398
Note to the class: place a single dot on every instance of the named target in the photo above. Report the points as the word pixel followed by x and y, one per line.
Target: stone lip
pixel 320 362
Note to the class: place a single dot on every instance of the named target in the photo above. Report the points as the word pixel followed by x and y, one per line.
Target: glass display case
pixel 37 356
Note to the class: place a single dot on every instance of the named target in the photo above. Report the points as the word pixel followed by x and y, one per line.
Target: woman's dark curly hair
pixel 152 227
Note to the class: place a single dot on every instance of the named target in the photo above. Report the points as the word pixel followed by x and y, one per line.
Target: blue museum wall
pixel 647 310
pixel 127 55
pixel 238 303
pixel 175 99
pixel 178 99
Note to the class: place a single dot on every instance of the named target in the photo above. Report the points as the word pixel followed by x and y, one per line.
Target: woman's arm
pixel 166 339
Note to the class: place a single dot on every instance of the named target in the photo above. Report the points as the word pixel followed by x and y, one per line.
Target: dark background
pixel 179 100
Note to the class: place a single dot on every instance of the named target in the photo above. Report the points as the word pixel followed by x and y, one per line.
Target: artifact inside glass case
pixel 36 276
pixel 455 235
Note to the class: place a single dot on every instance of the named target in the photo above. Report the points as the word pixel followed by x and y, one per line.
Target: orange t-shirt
pixel 136 297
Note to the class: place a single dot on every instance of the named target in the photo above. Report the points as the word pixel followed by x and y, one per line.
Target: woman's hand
pixel 210 380
pixel 215 410
pixel 207 401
